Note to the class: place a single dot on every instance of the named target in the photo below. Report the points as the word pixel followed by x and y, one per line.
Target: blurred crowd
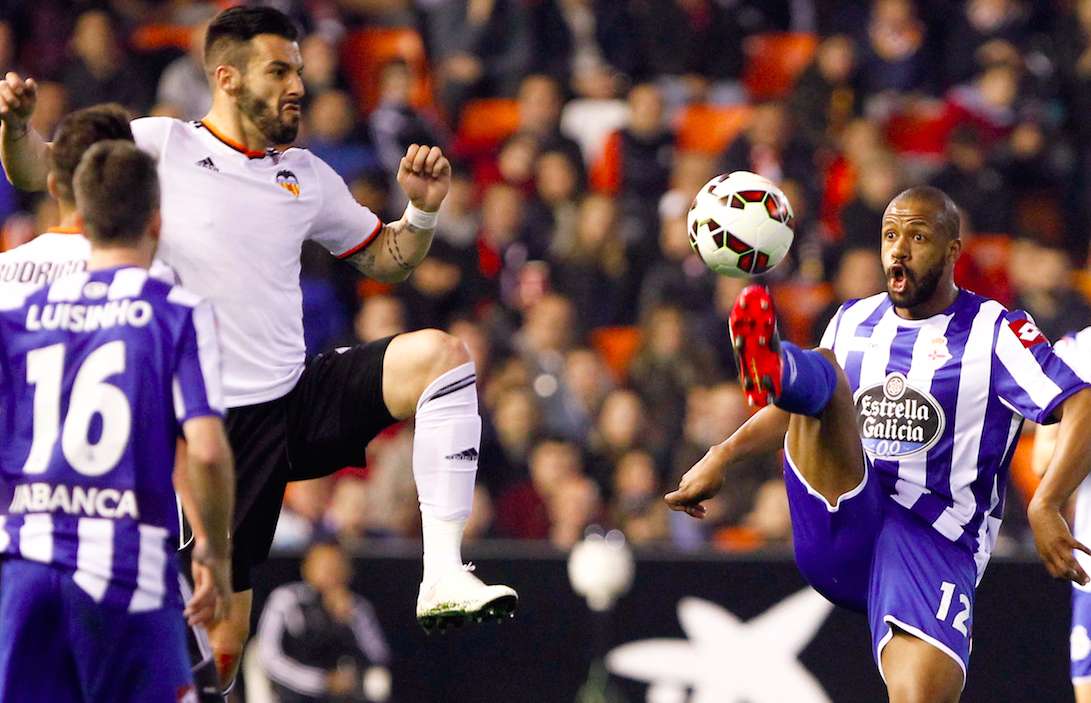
pixel 579 132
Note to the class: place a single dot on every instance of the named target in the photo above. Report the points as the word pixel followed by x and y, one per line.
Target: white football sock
pixel 445 451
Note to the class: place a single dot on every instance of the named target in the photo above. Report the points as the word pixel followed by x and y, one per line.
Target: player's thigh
pixel 827 449
pixel 923 585
pixel 1082 692
pixel 917 672
pixel 36 662
pixel 115 648
pixel 834 543
pixel 336 409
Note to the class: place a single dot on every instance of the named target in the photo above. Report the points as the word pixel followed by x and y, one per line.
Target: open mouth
pixel 898 278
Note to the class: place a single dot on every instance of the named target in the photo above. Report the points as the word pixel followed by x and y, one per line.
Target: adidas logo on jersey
pixel 207 163
pixel 464 455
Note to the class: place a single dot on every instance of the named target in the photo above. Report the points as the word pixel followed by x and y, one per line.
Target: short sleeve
pixel 830 335
pixel 160 271
pixel 342 225
pixel 150 134
pixel 1028 375
pixel 197 382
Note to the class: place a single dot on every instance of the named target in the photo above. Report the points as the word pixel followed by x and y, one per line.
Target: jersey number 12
pixel 91 395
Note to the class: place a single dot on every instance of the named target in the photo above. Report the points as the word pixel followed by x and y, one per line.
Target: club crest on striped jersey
pixel 287 180
pixel 897 420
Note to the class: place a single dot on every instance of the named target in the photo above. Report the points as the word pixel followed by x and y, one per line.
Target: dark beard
pixel 275 130
pixel 920 292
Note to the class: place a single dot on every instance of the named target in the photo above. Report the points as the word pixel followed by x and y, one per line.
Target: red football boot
pixel 756 343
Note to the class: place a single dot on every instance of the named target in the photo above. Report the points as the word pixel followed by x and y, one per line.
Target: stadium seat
pixel 798 304
pixel 156 37
pixel 773 62
pixel 708 129
pixel 365 52
pixel 1022 470
pixel 488 121
pixel 920 130
pixel 616 346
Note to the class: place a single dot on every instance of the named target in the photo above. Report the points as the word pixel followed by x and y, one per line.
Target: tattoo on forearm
pixel 395 251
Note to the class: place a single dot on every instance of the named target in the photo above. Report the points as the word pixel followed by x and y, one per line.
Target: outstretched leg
pixel 429 375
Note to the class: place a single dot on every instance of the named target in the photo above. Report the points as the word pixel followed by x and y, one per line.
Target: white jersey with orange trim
pixel 234 223
pixel 55 253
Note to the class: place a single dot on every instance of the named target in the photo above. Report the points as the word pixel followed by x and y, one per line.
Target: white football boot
pixel 458 598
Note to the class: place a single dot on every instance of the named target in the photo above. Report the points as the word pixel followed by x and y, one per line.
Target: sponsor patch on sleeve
pixel 1027 332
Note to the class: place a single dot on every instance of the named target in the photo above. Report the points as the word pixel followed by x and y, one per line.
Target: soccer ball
pixel 740 224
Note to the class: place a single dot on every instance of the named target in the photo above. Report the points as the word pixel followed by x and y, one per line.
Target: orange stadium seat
pixel 488 121
pixel 365 52
pixel 155 37
pixel 774 60
pixel 1022 468
pixel 708 129
pixel 798 304
pixel 616 346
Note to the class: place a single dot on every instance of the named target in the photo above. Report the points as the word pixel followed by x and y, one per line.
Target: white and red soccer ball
pixel 740 224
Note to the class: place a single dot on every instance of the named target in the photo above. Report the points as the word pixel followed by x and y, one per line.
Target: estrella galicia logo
pixel 287 180
pixel 896 420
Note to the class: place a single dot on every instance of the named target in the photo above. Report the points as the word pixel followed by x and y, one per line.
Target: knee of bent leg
pixel 434 352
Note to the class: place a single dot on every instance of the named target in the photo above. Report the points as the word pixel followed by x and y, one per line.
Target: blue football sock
pixel 807 381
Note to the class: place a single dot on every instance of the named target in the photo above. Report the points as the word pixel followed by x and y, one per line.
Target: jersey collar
pixel 227 141
pixel 64 230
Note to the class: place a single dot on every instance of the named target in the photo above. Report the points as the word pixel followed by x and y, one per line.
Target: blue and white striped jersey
pixel 940 403
pixel 98 371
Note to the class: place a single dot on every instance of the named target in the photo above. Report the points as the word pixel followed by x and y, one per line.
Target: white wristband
pixel 421 219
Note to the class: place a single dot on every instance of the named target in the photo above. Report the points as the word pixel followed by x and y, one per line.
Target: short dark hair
pixel 948 218
pixel 77 132
pixel 237 25
pixel 117 191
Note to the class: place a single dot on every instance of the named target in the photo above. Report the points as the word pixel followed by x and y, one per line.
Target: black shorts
pixel 322 425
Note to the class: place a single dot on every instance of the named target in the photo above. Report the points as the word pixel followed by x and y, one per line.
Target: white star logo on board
pixel 726 660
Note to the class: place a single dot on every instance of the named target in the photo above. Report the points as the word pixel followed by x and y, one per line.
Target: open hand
pixel 700 483
pixel 425 175
pixel 1055 543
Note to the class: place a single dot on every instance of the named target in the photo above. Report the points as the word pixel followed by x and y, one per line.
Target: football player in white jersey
pixel 1075 349
pixel 236 211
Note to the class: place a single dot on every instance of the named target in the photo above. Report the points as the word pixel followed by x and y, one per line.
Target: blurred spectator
pixel 459 215
pixel 637 508
pixel 694 46
pixel 861 141
pixel 395 123
pixel 769 147
pixel 989 103
pixel 574 505
pixel 669 363
pixel 332 135
pixel 636 162
pixel 319 641
pixel 379 316
pixel 540 102
pixel 894 57
pixel 583 44
pixel 678 275
pixel 500 250
pixel 826 97
pixel 481 47
pixel 522 510
pixel 553 214
pixel 1042 279
pixel 320 65
pixel 52 105
pixel 622 426
pixel 862 217
pixel 515 428
pixel 977 186
pixel 979 32
pixel 183 87
pixel 859 275
pixel 100 71
pixel 387 499
pixel 438 288
pixel 587 382
pixel 304 504
pixel 592 271
pixel 346 518
pixel 769 521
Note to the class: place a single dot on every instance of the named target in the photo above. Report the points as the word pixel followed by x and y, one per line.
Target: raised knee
pixel 443 351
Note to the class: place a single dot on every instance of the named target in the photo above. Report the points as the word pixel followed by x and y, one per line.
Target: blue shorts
pixel 1080 639
pixel 868 554
pixel 58 645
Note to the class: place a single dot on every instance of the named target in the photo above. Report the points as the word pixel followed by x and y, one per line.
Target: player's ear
pixel 51 186
pixel 155 224
pixel 954 248
pixel 227 78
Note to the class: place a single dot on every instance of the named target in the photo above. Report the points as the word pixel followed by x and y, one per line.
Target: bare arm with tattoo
pixel 425 175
